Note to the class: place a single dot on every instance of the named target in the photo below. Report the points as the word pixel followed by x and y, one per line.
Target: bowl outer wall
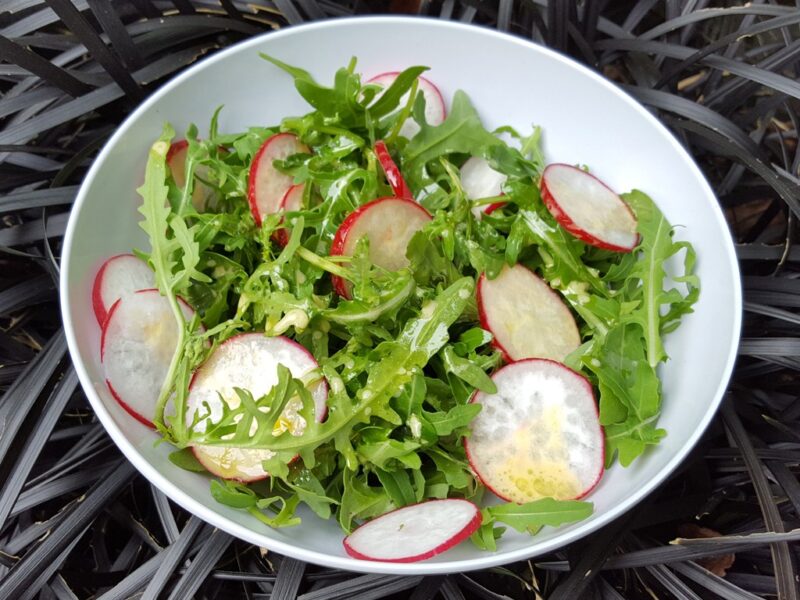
pixel 586 119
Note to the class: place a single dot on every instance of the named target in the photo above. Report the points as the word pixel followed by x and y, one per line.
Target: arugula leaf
pixel 529 517
pixel 398 487
pixel 185 459
pixel 532 516
pixel 457 417
pixel 233 494
pixel 461 132
pixel 467 370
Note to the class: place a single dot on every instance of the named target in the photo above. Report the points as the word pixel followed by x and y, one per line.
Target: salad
pixel 387 313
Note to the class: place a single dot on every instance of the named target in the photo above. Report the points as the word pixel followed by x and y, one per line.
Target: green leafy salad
pixel 381 303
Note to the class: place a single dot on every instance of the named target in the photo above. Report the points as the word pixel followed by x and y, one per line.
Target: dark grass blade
pixel 10 489
pixel 118 36
pixel 171 558
pixel 167 519
pixel 18 401
pixel 27 293
pixel 30 61
pixel 363 587
pixel 450 590
pixel 784 569
pixel 428 588
pixel 73 19
pixel 289 578
pixel 215 545
pixel 25 572
pixel 589 562
pixel 713 583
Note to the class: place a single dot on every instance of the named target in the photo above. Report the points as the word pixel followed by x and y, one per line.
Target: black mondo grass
pixel 76 521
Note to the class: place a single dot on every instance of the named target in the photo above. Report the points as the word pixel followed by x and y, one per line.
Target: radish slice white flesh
pixel 435 110
pixel 539 435
pixel 480 180
pixel 588 209
pixel 414 532
pixel 392 172
pixel 250 362
pixel 119 276
pixel 176 161
pixel 292 201
pixel 526 316
pixel 389 224
pixel 139 339
pixel 267 185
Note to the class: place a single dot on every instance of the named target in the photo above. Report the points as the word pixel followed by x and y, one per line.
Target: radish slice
pixel 588 209
pixel 479 180
pixel 393 174
pixel 527 318
pixel 266 185
pixel 389 224
pixel 292 201
pixel 119 276
pixel 250 362
pixel 139 339
pixel 176 161
pixel 435 110
pixel 414 532
pixel 539 435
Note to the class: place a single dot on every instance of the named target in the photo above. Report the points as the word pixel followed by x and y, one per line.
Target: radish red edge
pixel 289 203
pixel 100 312
pixel 126 407
pixel 563 219
pixel 256 165
pixel 142 419
pixel 174 148
pixel 98 304
pixel 591 487
pixel 208 463
pixel 340 238
pixel 451 542
pixel 111 389
pixel 392 172
pixel 493 207
pixel 251 183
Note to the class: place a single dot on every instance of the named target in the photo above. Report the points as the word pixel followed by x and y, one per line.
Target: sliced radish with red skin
pixel 393 174
pixel 527 318
pixel 479 180
pixel 292 201
pixel 415 532
pixel 266 185
pixel 119 276
pixel 435 109
pixel 539 435
pixel 588 209
pixel 176 161
pixel 249 361
pixel 389 224
pixel 136 348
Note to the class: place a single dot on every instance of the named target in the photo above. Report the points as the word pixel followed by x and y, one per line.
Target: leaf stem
pixel 323 263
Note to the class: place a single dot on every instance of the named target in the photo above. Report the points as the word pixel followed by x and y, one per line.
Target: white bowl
pixel 586 120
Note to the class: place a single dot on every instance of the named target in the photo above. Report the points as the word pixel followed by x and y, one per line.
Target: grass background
pixel 76 521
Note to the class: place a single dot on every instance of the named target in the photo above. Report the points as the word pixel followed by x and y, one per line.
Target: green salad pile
pixel 403 355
